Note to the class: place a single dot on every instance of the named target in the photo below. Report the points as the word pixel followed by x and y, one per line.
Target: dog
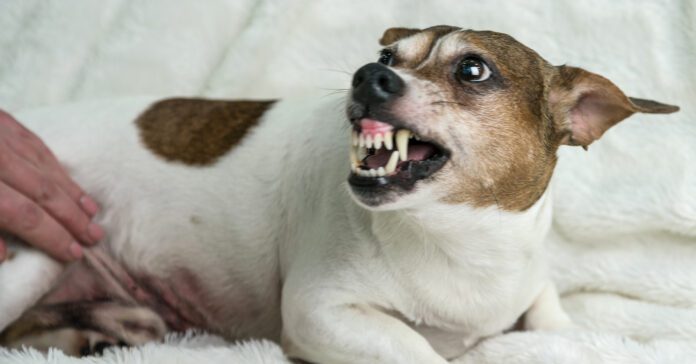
pixel 405 230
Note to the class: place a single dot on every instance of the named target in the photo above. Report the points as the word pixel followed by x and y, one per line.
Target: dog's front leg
pixel 353 333
pixel 546 312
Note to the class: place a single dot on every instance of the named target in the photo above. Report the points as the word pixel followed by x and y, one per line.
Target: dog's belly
pixel 181 299
pixel 194 243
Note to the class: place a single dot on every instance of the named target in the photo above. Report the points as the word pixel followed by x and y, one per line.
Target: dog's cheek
pixel 416 105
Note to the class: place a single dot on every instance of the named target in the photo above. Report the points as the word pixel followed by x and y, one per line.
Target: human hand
pixel 39 202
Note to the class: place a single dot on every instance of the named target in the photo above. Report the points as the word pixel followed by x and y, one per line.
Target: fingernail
pixel 89 205
pixel 75 250
pixel 95 232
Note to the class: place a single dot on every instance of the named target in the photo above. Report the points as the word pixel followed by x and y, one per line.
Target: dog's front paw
pixel 539 320
pixel 546 313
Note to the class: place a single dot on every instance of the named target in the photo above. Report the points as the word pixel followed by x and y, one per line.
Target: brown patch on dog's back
pixel 197 131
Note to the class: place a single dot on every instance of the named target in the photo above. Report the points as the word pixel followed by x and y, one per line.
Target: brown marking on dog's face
pixel 197 131
pixel 502 133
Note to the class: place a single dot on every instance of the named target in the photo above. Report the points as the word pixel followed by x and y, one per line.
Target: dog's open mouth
pixel 382 154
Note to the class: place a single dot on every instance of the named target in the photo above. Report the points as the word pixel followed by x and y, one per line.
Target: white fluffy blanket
pixel 624 241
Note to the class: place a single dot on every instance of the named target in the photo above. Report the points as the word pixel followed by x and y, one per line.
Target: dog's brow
pixel 436 45
pixel 433 46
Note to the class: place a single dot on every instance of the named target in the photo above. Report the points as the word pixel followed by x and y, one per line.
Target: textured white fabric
pixel 624 242
pixel 193 348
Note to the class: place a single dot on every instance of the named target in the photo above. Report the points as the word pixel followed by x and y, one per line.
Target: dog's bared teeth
pixel 362 153
pixel 378 141
pixel 354 161
pixel 391 165
pixel 388 140
pixel 368 141
pixel 402 137
pixel 363 143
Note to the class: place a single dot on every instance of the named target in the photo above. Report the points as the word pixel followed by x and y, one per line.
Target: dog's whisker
pixel 445 102
pixel 337 71
pixel 335 91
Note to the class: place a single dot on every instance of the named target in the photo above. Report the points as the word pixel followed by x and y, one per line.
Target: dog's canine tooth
pixel 354 158
pixel 391 165
pixel 402 137
pixel 354 138
pixel 378 141
pixel 388 140
pixel 381 172
pixel 373 172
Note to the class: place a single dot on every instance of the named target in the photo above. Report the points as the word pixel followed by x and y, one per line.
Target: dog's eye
pixel 386 57
pixel 473 69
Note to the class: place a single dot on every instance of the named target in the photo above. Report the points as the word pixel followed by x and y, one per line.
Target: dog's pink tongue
pixel 419 152
pixel 379 159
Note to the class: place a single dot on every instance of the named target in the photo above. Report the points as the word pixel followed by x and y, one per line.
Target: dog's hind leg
pixel 24 280
pixel 84 328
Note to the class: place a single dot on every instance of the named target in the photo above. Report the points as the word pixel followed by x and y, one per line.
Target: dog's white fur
pixel 413 285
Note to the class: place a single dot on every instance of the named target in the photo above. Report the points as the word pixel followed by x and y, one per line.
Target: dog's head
pixel 472 117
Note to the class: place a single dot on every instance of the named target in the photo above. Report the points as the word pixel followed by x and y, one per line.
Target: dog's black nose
pixel 374 83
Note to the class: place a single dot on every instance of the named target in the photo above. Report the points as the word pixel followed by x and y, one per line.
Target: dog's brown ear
pixel 392 35
pixel 584 105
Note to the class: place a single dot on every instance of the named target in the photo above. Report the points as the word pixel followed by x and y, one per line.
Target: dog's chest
pixel 456 287
pixel 453 310
pixel 476 300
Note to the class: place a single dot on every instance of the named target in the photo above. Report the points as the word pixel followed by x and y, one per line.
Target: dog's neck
pixel 460 232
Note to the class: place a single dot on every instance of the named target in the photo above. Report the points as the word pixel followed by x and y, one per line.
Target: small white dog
pixel 235 216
